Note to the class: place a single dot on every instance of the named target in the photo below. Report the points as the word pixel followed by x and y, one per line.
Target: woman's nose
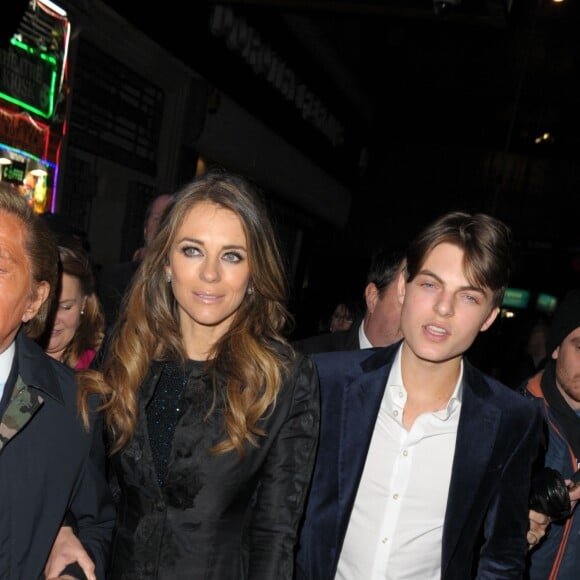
pixel 210 271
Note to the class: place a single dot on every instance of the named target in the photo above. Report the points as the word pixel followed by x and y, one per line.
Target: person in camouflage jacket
pixel 51 462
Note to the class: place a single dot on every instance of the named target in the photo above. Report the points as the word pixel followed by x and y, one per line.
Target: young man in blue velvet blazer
pixel 424 463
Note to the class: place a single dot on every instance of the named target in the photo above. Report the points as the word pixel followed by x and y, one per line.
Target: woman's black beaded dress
pixel 186 513
pixel 166 405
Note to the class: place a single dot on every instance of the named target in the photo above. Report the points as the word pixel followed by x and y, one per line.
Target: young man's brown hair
pixel 485 241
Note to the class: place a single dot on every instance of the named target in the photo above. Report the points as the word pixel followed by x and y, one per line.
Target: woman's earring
pixel 250 290
pixel 168 277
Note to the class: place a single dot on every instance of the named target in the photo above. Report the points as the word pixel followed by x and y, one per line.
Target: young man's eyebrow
pixel 468 287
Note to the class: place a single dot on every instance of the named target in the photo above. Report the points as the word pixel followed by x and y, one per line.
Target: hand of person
pixel 67 549
pixel 538 526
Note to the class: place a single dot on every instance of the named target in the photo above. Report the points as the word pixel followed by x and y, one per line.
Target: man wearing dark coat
pixel 51 464
pixel 380 325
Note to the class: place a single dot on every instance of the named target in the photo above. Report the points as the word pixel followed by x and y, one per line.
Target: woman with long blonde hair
pixel 213 418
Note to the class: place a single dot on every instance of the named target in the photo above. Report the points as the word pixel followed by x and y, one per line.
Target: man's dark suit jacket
pixel 484 532
pixel 48 465
pixel 330 341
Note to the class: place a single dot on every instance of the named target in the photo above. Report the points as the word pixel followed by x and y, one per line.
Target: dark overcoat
pixel 48 465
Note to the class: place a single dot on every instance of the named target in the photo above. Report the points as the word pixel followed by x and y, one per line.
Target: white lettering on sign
pixel 242 38
pixel 28 76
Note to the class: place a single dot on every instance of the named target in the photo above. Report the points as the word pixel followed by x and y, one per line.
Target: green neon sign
pixel 28 78
pixel 516 298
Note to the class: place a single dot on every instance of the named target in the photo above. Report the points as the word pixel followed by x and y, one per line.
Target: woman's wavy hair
pixel 248 357
pixel 89 335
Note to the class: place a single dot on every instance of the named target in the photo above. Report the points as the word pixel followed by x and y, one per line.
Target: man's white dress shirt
pixel 6 359
pixel 396 526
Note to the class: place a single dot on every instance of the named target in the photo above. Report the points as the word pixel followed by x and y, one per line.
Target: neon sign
pixel 28 78
pixel 24 132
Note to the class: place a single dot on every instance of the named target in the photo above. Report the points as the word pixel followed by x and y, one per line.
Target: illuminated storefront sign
pixel 546 302
pixel 516 298
pixel 28 78
pixel 23 132
pixel 519 298
pixel 35 178
pixel 32 72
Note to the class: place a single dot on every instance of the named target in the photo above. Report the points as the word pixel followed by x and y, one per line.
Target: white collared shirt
pixel 362 337
pixel 396 526
pixel 6 359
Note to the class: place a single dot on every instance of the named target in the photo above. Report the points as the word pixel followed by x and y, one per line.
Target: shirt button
pixel 401 394
pixel 405 453
pixel 385 540
pixel 396 496
pixel 395 413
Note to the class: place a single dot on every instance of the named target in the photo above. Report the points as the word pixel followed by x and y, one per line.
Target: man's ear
pixel 490 319
pixel 401 286
pixel 42 292
pixel 371 296
pixel 556 352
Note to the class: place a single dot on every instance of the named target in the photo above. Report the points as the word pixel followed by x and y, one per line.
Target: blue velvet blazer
pixel 484 532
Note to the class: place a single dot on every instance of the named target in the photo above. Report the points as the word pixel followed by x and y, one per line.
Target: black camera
pixel 549 494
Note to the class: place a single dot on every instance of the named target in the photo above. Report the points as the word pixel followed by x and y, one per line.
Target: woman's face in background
pixel 341 318
pixel 68 316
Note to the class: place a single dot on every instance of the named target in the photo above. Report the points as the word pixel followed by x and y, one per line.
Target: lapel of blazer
pixel 476 435
pixel 361 401
pixel 23 405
